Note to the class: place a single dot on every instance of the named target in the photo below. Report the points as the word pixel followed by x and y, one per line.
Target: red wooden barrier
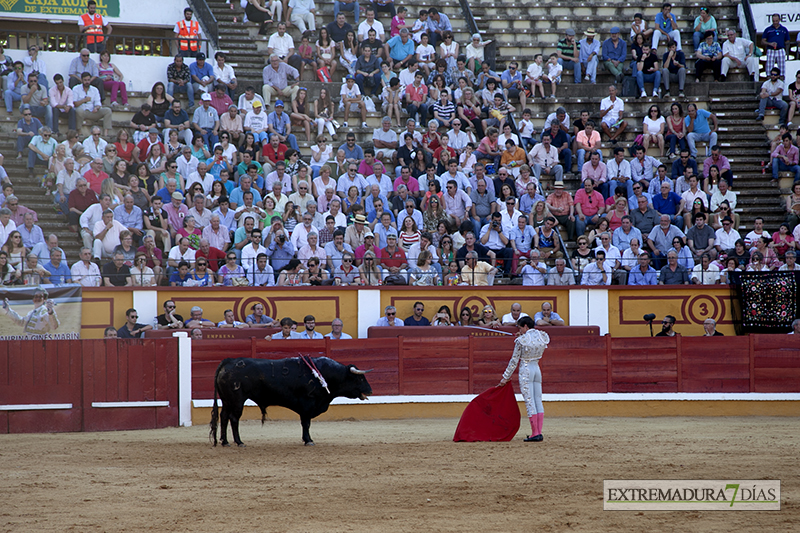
pixel 775 365
pixel 715 364
pixel 83 373
pixel 572 364
pixel 459 331
pixel 36 373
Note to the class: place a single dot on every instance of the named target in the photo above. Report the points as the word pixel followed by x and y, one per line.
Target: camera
pixel 282 238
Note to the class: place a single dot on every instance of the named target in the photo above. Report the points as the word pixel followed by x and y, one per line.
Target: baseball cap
pixel 278 103
pixel 206 97
pixel 177 196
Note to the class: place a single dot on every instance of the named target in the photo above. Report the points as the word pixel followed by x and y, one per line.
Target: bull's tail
pixel 212 434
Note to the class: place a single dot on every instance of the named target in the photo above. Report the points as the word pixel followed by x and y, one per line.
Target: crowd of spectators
pixel 225 197
pixel 170 319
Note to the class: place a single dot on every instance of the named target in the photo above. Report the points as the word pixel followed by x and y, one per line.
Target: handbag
pixel 395 279
pixel 323 74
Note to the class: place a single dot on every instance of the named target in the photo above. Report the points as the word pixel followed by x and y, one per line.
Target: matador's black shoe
pixel 536 438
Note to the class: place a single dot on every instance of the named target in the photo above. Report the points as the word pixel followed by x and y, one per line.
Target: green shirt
pixel 565 48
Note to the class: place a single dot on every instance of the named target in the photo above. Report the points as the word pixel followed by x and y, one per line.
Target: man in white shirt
pixel 386 145
pixel 611 113
pixel 90 217
pixel 456 175
pixel 758 231
pixel 349 179
pixel 302 231
pixel 543 159
pixel 598 272
pixel 725 237
pixel 180 252
pixel 310 249
pixel 611 252
pixel 791 262
pixel 87 104
pixel 202 216
pixel 201 176
pixel 723 193
pixel 187 164
pixel 382 180
pixel 705 272
pixel 247 99
pixel 301 14
pixel 738 51
pixel 494 237
pixel 106 235
pixel 224 73
pixel 216 234
pixel 253 249
pixel 560 275
pixel 336 330
pixel 255 122
pixel 85 271
pixel 262 275
pixel 95 145
pixel 458 138
pixel 369 24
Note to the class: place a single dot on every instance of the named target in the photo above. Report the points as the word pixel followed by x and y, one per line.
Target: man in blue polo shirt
pixel 399 50
pixel 701 125
pixel 669 203
pixel 775 40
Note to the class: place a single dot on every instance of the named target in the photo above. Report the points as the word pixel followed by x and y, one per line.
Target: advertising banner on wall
pixel 789 12
pixel 47 313
pixel 58 8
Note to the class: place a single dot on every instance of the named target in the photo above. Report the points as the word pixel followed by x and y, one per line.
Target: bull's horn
pixel 354 370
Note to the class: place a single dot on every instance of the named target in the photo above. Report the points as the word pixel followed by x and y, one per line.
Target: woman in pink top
pixel 616 214
pixel 113 80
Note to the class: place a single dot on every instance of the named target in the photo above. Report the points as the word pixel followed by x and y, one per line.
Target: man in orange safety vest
pixel 188 33
pixel 91 25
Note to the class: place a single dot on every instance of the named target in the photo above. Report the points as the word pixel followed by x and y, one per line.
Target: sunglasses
pixel 391 314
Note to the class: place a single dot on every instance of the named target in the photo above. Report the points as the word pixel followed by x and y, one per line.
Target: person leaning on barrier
pixel 286 331
pixel 229 322
pixel 390 318
pixel 132 329
pixel 547 317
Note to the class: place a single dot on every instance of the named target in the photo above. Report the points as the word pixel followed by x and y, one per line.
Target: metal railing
pixel 490 50
pixel 207 20
pixel 118 44
pixel 746 21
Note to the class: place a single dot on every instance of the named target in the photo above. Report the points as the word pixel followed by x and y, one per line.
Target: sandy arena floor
pixel 382 476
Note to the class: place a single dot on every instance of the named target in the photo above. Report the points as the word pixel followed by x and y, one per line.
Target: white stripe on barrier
pixel 36 407
pixel 107 405
pixel 599 397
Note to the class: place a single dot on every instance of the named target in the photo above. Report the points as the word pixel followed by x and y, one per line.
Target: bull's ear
pixel 354 370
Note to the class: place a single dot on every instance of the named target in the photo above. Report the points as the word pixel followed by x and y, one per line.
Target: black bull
pixel 287 383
